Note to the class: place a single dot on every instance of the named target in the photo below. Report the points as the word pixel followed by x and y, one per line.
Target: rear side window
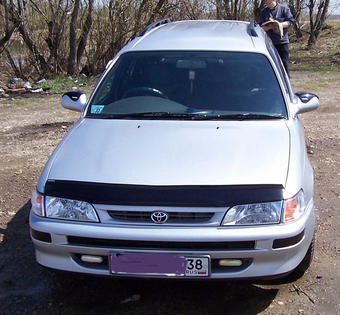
pixel 284 76
pixel 220 82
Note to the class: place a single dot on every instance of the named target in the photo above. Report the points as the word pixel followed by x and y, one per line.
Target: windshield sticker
pixel 191 110
pixel 96 109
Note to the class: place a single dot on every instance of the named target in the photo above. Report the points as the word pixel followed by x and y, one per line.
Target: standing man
pixel 281 13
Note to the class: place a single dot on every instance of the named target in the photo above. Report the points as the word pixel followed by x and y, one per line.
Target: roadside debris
pixel 27 85
pixel 41 81
pixel 298 290
pixel 39 90
pixel 17 86
pixel 133 298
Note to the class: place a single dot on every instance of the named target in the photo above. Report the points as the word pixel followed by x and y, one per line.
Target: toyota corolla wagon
pixel 188 160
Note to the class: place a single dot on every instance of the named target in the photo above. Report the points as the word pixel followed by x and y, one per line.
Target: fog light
pixel 230 262
pixel 92 259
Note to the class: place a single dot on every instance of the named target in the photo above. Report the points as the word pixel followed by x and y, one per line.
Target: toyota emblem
pixel 159 217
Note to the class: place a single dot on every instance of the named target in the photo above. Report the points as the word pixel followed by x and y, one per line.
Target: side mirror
pixel 306 102
pixel 74 100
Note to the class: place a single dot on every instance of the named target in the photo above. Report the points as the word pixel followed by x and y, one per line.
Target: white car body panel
pixel 175 153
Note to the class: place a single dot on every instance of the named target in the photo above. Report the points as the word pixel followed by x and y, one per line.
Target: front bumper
pixel 265 251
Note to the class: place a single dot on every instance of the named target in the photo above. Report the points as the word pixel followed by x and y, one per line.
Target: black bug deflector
pixel 191 196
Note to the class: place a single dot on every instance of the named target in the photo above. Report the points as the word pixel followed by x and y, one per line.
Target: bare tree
pixel 296 7
pixel 258 5
pixel 8 29
pixel 73 39
pixel 68 35
pixel 190 9
pixel 232 9
pixel 18 15
pixel 84 34
pixel 56 19
pixel 77 45
pixel 125 19
pixel 317 16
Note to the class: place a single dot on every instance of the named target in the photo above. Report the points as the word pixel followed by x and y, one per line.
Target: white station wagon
pixel 188 160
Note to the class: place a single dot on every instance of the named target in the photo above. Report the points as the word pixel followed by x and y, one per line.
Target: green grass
pixel 23 101
pixel 62 84
pixel 52 88
pixel 323 57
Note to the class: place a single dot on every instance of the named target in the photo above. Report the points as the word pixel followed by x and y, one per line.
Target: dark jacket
pixel 280 13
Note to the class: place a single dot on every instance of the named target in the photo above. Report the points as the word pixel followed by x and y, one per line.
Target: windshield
pixel 181 85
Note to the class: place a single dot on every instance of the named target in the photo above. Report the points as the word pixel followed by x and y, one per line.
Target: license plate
pixel 197 267
pixel 159 264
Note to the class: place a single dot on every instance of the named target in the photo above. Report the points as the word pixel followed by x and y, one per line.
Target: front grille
pixel 174 217
pixel 178 246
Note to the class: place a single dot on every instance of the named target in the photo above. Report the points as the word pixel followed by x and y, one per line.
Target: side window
pixel 108 91
pixel 284 77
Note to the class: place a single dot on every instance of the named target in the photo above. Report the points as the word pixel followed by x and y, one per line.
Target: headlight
pixel 66 209
pixel 294 207
pixel 253 214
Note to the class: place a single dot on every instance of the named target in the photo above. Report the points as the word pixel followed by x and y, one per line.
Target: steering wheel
pixel 144 91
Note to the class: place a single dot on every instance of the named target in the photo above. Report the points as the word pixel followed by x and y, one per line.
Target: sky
pixel 334 7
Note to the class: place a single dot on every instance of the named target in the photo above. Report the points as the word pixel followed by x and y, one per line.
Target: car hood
pixel 151 152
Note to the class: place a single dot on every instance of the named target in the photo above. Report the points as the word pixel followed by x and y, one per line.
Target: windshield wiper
pixel 192 116
pixel 240 116
pixel 151 115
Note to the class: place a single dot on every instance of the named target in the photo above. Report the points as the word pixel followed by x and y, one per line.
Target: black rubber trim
pixel 124 244
pixel 154 24
pixel 41 236
pixel 190 196
pixel 286 242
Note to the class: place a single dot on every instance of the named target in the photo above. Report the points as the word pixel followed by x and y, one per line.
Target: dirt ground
pixel 29 131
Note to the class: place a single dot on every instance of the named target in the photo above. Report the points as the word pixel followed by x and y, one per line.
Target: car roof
pixel 209 35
